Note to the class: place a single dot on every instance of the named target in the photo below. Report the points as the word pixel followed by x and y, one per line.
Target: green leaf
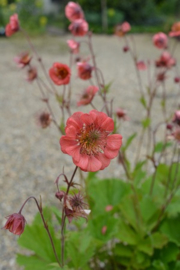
pixel 129 141
pixel 146 123
pixel 106 87
pixel 146 246
pixel 123 250
pixel 31 262
pixel 160 146
pixel 173 208
pixel 158 240
pixel 170 227
pixel 126 234
pixel 140 260
pixel 143 102
pixel 169 253
pixel 148 207
pixel 159 265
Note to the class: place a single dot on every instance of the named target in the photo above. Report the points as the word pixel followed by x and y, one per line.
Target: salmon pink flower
pixel 60 74
pixel 79 27
pixel 31 74
pixel 73 11
pixel 160 40
pixel 84 70
pixel 15 224
pixel 13 25
pixel 165 60
pixel 88 95
pixel 141 65
pixel 73 45
pixel 89 142
pixel 23 59
pixel 122 29
pixel 175 30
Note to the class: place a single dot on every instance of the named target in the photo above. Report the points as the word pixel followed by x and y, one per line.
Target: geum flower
pixel 141 65
pixel 60 74
pixel 79 27
pixel 165 60
pixel 175 30
pixel 13 25
pixel 73 11
pixel 43 119
pixel 23 59
pixel 88 95
pixel 176 118
pixel 160 40
pixel 84 70
pixel 73 45
pixel 31 74
pixel 15 223
pixel 89 142
pixel 122 29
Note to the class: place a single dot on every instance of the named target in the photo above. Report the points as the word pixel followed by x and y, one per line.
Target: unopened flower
pixel 165 60
pixel 13 25
pixel 141 65
pixel 73 11
pixel 60 195
pixel 121 114
pixel 89 142
pixel 161 76
pixel 31 74
pixel 15 223
pixel 75 207
pixel 23 59
pixel 176 118
pixel 88 95
pixel 160 40
pixel 84 70
pixel 122 29
pixel 175 30
pixel 169 126
pixel 104 229
pixel 79 27
pixel 73 45
pixel 43 119
pixel 177 79
pixel 60 74
pixel 125 49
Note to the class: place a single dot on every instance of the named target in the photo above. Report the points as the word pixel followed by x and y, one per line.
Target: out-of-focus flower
pixel 165 60
pixel 108 208
pixel 176 118
pixel 122 29
pixel 88 95
pixel 79 27
pixel 60 74
pixel 160 40
pixel 84 70
pixel 23 59
pixel 74 207
pixel 89 142
pixel 161 76
pixel 176 134
pixel 13 25
pixel 104 229
pixel 141 65
pixel 121 114
pixel 175 30
pixel 169 126
pixel 125 49
pixel 31 74
pixel 177 79
pixel 43 119
pixel 73 45
pixel 15 223
pixel 74 11
pixel 60 195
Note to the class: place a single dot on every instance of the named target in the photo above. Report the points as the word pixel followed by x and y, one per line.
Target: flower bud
pixel 15 223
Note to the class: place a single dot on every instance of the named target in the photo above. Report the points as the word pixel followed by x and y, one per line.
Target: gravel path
pixel 30 157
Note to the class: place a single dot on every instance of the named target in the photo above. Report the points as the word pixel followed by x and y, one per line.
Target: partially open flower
pixel 13 25
pixel 89 142
pixel 165 60
pixel 141 65
pixel 60 74
pixel 73 45
pixel 43 119
pixel 79 27
pixel 122 29
pixel 88 95
pixel 176 118
pixel 84 70
pixel 73 11
pixel 23 59
pixel 15 223
pixel 160 40
pixel 31 74
pixel 175 30
pixel 121 114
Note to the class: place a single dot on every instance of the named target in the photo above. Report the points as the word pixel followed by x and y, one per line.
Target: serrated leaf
pixel 159 265
pixel 126 234
pixel 158 240
pixel 123 250
pixel 170 227
pixel 160 146
pixel 148 207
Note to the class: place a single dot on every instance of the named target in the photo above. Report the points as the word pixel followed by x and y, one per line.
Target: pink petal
pixel 104 160
pixel 71 131
pixel 68 144
pixel 110 153
pixel 82 162
pixel 87 119
pixel 114 141
pixel 108 124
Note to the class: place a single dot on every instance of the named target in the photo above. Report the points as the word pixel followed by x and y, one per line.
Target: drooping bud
pixel 15 223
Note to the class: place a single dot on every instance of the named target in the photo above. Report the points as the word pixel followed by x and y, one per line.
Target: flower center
pixel 92 140
pixel 61 73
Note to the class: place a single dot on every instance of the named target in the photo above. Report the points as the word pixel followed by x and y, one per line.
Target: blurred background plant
pixel 149 16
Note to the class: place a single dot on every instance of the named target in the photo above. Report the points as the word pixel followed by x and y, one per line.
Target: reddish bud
pixel 15 224
pixel 104 229
pixel 177 79
pixel 108 208
pixel 125 49
pixel 169 126
pixel 60 195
